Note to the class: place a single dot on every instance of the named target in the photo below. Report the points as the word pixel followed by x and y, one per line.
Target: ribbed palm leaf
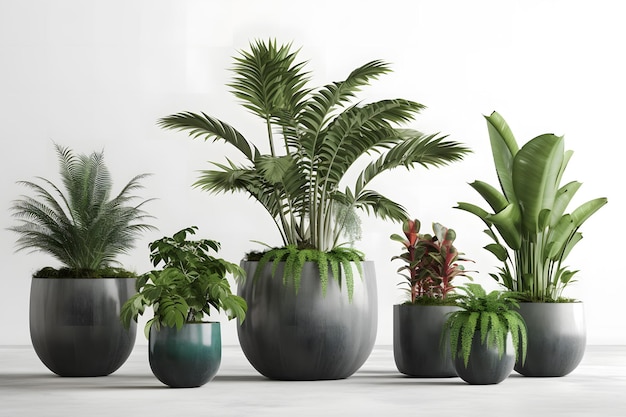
pixel 315 136
pixel 83 227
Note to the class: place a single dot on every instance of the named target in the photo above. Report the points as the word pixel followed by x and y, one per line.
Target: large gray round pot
pixel 556 338
pixel 485 365
pixel 185 358
pixel 308 336
pixel 417 341
pixel 75 324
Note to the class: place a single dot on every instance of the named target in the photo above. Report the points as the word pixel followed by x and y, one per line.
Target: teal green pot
pixel 185 358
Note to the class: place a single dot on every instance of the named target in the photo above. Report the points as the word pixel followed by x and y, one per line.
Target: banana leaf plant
pixel 532 233
pixel 318 139
pixel 431 262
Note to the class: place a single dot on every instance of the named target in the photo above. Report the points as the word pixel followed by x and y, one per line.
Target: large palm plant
pixel 315 137
pixel 84 228
pixel 532 234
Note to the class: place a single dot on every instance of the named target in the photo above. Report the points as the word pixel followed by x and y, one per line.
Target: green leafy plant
pixel 431 262
pixel 315 136
pixel 492 317
pixel 532 234
pixel 191 283
pixel 82 226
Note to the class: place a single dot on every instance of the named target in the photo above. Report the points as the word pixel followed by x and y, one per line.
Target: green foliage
pixel 338 262
pixel 315 136
pixel 532 235
pixel 83 227
pixel 431 262
pixel 189 285
pixel 493 316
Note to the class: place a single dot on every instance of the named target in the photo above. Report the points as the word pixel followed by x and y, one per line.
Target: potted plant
pixel 431 262
pixel 74 310
pixel 185 351
pixel 324 325
pixel 486 335
pixel 532 236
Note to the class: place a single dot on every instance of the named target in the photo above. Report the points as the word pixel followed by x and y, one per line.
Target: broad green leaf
pixel 585 210
pixel 562 200
pixel 559 235
pixel 504 148
pixel 492 196
pixel 508 224
pixel 498 250
pixel 576 237
pixel 475 210
pixel 535 170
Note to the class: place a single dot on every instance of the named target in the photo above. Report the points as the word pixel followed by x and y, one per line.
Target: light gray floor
pixel 596 388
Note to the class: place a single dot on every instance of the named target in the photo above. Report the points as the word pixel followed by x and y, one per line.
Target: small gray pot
pixel 417 348
pixel 485 365
pixel 556 338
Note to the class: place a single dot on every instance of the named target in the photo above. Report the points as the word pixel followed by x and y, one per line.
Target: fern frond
pixel 202 125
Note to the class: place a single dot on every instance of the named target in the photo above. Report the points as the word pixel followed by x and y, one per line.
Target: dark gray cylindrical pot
pixel 185 358
pixel 417 341
pixel 75 324
pixel 308 336
pixel 485 365
pixel 556 338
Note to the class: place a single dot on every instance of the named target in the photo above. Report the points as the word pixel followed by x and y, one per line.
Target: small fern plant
pixel 191 284
pixel 492 317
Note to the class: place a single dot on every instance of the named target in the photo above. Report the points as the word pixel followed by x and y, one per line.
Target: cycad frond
pixel 321 105
pixel 414 148
pixel 201 125
pixel 359 130
pixel 268 81
pixel 379 205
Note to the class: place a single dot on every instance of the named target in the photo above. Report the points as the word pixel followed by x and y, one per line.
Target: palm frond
pixel 201 125
pixel 319 108
pixel 268 81
pixel 430 150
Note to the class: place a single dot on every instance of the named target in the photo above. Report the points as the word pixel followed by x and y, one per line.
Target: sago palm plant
pixel 83 226
pixel 315 136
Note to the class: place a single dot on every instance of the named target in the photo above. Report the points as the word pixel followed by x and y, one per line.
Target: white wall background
pixel 97 74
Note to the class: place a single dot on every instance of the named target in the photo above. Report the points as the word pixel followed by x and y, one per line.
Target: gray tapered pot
pixel 185 358
pixel 75 325
pixel 556 338
pixel 417 336
pixel 307 336
pixel 485 365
